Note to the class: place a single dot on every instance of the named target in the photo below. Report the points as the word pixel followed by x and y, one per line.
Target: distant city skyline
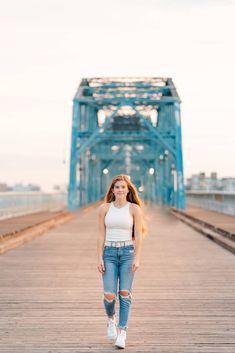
pixel 196 181
pixel 49 46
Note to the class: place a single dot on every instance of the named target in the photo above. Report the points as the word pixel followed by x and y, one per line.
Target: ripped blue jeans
pixel 118 269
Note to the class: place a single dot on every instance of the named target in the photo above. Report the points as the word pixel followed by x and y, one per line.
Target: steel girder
pixel 140 129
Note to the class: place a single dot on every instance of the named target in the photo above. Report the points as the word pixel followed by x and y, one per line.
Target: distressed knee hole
pixel 109 296
pixel 124 293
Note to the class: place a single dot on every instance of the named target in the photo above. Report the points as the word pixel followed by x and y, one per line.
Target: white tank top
pixel 118 223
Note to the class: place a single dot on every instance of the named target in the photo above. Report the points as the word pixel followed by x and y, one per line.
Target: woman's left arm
pixel 138 236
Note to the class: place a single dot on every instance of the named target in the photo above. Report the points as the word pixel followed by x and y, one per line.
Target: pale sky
pixel 48 46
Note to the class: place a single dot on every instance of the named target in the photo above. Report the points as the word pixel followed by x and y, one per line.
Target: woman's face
pixel 120 190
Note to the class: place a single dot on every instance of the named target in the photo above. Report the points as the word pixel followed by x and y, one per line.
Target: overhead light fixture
pixel 139 147
pixel 153 117
pixel 101 117
pixel 105 171
pixel 115 148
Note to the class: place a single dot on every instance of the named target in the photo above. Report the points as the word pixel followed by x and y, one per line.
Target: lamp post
pixel 152 184
pixel 166 178
pixel 161 179
pixel 173 185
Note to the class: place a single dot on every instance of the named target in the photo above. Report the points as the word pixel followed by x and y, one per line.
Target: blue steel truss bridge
pixel 126 125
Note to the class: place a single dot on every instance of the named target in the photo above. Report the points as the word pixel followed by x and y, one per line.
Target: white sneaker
pixel 112 330
pixel 121 338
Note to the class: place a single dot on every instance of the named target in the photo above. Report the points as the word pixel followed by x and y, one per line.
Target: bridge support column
pixel 72 192
pixel 180 195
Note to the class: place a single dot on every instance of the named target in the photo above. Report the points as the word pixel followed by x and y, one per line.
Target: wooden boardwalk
pixel 183 293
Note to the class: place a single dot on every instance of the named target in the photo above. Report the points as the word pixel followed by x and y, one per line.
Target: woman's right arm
pixel 101 238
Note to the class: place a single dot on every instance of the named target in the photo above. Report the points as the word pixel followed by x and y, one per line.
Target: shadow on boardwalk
pixel 183 292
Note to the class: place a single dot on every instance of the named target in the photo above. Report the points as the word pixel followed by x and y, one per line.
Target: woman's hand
pixel 135 265
pixel 100 266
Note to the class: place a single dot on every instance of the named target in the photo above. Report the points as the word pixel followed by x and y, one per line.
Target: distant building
pixel 202 182
pixel 29 187
pixel 60 187
pixel 228 184
pixel 57 187
pixel 3 187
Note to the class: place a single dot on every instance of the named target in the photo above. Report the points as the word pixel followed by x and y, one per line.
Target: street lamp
pixel 161 158
pixel 166 154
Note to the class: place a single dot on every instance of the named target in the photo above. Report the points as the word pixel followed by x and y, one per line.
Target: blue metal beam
pixel 156 133
pixel 92 138
pixel 180 197
pixel 72 191
pixel 127 101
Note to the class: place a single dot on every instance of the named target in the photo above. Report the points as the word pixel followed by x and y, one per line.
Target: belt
pixel 118 244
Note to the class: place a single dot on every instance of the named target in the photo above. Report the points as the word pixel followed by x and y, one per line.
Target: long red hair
pixel 132 197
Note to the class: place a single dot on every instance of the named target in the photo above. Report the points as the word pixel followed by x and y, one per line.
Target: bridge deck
pixel 183 294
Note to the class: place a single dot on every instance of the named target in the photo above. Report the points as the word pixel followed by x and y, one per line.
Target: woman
pixel 121 230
